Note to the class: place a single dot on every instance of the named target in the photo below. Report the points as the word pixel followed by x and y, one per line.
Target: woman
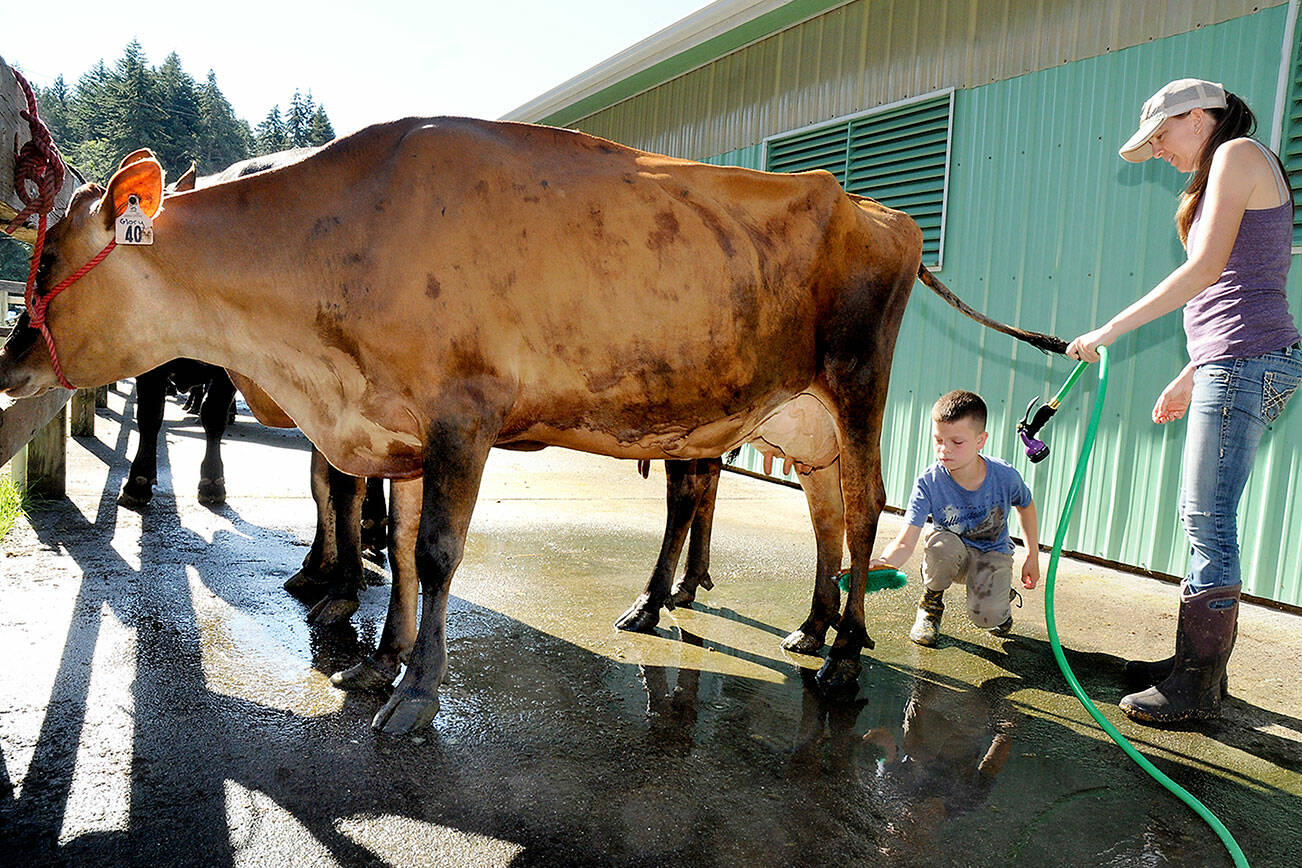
pixel 1235 220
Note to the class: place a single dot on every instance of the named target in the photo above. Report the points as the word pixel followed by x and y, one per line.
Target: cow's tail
pixel 1042 342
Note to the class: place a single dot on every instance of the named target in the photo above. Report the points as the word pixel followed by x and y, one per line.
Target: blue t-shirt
pixel 979 517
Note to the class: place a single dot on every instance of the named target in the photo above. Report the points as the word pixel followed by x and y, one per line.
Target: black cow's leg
pixel 457 449
pixel 310 582
pixel 343 575
pixel 399 634
pixel 685 485
pixel 220 395
pixel 375 521
pixel 151 388
pixel 697 573
pixel 826 511
pixel 325 574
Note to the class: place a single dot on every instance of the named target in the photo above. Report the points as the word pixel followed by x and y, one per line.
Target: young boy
pixel 968 497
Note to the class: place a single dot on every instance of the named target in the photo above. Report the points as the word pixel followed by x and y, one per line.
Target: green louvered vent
pixel 823 148
pixel 899 157
pixel 1290 149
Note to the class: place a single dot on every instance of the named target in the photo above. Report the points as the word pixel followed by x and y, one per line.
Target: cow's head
pixel 86 318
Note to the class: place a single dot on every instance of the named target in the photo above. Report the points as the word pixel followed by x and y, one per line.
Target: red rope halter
pixel 38 163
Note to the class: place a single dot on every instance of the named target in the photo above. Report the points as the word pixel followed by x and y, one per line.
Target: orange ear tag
pixel 135 226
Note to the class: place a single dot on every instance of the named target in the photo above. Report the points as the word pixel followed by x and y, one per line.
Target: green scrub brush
pixel 880 579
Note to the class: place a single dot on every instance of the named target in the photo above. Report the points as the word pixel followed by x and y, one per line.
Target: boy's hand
pixel 879 563
pixel 1031 571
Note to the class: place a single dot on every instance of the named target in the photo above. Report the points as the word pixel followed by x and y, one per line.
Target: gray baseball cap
pixel 1180 96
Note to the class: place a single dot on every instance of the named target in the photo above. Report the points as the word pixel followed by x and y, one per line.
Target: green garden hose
pixel 1236 853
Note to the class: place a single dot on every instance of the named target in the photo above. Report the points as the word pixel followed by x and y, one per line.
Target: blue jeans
pixel 1233 402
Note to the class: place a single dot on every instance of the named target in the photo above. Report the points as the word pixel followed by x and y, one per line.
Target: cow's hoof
pixel 682 597
pixel 375 556
pixel 404 714
pixel 802 643
pixel 839 674
pixel 212 492
pixel 136 493
pixel 640 618
pixel 366 675
pixel 307 586
pixel 331 610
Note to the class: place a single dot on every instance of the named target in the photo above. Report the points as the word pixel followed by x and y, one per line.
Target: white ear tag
pixel 134 226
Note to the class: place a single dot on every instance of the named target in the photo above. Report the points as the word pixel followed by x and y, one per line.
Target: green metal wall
pixel 1048 228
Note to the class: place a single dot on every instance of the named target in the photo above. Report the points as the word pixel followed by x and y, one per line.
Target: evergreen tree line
pixel 111 112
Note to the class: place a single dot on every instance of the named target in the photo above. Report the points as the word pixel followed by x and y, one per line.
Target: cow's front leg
pixel 379 669
pixel 213 414
pixel 151 391
pixel 456 451
pixel 684 488
pixel 697 573
pixel 823 493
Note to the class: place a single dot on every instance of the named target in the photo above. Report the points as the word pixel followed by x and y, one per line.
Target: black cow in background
pixel 215 408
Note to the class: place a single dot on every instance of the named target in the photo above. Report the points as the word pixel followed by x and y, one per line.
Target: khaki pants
pixel 988 576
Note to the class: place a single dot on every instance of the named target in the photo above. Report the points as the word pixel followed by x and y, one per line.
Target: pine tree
pixel 270 137
pixel 223 138
pixel 137 119
pixel 298 121
pixel 178 142
pixel 321 130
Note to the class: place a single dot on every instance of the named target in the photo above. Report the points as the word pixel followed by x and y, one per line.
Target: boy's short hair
pixel 960 404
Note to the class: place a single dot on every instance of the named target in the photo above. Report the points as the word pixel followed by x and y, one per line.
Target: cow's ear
pixel 142 179
pixel 185 183
pixel 136 156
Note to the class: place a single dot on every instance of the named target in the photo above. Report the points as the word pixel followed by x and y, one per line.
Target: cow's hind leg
pixel 456 451
pixel 697 572
pixel 344 575
pixel 823 493
pixel 214 414
pixel 375 521
pixel 685 486
pixel 151 391
pixel 379 669
pixel 332 570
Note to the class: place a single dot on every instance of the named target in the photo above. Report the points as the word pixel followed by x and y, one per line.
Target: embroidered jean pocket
pixel 1277 388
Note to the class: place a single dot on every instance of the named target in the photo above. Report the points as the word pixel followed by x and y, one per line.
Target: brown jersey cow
pixel 418 292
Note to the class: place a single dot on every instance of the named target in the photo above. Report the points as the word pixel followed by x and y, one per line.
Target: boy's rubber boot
pixel 926 627
pixel 1192 691
pixel 1139 674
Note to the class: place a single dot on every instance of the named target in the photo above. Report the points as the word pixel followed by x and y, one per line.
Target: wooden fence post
pixel 40 468
pixel 83 413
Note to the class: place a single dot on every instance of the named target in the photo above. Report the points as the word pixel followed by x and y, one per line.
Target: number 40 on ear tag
pixel 134 226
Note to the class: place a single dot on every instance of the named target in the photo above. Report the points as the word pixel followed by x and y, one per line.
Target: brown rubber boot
pixel 1139 674
pixel 926 627
pixel 1208 626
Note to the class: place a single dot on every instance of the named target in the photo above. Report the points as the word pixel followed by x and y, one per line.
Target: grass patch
pixel 11 505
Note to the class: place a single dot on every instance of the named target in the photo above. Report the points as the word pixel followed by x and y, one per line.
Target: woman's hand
pixel 1086 346
pixel 1173 403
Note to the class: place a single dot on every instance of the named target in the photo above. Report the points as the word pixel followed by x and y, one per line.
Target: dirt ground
pixel 165 702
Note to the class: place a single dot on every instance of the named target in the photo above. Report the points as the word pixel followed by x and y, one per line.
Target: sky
pixel 363 61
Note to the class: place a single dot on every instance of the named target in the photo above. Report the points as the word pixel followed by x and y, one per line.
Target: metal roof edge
pixel 706 34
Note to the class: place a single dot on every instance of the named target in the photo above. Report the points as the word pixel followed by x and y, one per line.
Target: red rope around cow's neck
pixel 38 163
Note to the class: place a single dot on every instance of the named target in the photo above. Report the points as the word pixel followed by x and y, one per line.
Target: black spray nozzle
pixel 1036 450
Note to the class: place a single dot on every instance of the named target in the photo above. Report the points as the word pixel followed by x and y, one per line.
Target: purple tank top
pixel 1245 312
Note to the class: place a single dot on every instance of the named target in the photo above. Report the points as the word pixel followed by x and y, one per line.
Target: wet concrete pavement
pixel 164 701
